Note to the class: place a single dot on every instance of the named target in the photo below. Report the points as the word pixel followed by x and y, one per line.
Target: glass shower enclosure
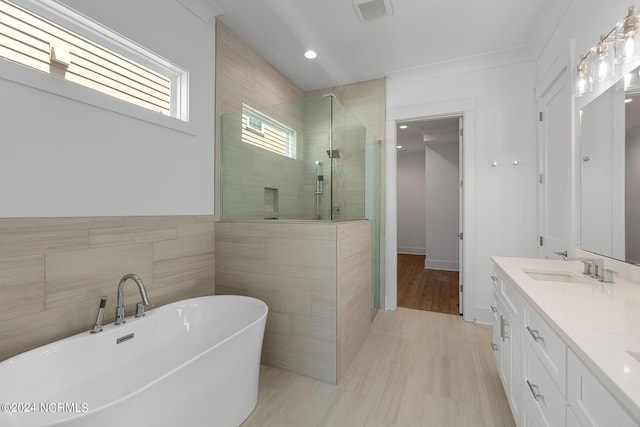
pixel 308 160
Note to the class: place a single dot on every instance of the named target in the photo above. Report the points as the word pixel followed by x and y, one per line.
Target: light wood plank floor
pixel 432 290
pixel 417 368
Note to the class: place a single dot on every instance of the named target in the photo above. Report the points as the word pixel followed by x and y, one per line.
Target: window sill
pixel 48 83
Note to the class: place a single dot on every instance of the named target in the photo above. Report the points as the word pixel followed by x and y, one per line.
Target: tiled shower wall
pixel 243 76
pixel 53 271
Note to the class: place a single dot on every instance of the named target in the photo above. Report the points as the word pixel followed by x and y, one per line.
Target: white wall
pixel 61 157
pixel 503 201
pixel 442 214
pixel 411 202
pixel 583 23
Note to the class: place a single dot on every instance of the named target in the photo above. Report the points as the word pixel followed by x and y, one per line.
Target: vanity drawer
pixel 539 391
pixel 512 299
pixel 590 401
pixel 551 350
pixel 509 294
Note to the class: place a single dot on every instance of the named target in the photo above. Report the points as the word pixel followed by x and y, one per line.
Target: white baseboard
pixel 412 251
pixel 434 264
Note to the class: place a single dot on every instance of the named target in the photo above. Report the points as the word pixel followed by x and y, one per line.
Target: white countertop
pixel 600 322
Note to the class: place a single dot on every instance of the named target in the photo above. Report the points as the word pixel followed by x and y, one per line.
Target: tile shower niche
pixel 270 203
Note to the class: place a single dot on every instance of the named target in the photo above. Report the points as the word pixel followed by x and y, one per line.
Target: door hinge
pixel 460 183
pixel 461 132
pixel 541 178
pixel 460 235
pixel 461 286
pixel 540 117
pixel 541 241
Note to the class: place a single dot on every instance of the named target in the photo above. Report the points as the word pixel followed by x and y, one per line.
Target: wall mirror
pixel 609 171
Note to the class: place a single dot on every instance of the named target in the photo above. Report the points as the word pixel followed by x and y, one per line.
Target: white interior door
pixel 460 210
pixel 554 147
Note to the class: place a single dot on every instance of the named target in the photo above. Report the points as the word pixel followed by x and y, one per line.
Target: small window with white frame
pixel 265 132
pixel 104 61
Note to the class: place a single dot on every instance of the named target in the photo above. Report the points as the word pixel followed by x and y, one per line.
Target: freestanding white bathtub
pixel 191 363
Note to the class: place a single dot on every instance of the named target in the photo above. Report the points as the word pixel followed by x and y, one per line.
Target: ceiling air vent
pixel 372 9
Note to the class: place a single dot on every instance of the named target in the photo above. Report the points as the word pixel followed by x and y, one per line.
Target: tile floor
pixel 417 368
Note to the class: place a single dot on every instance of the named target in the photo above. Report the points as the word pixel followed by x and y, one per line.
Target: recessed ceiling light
pixel 403 127
pixel 398 146
pixel 310 54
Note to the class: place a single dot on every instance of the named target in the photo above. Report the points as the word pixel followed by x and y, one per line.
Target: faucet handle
pixel 607 275
pixel 588 267
pixel 140 309
pixel 563 254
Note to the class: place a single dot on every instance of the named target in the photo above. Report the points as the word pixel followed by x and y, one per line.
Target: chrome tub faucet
pixel 139 307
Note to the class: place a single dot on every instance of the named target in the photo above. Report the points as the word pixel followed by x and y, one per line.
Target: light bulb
pixel 629 49
pixel 582 85
pixel 602 70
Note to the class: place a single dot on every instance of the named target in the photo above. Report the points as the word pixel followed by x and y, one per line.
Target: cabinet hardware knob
pixel 536 392
pixel 494 278
pixel 494 309
pixel 535 334
pixel 494 347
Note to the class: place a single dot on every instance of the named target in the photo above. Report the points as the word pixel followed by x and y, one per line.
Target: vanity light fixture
pixel 584 82
pixel 626 34
pixel 618 46
pixel 311 54
pixel 603 59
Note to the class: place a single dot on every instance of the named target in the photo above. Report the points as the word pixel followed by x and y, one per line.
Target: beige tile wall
pixel 53 271
pixel 295 268
pixel 243 76
pixel 366 100
pixel 354 289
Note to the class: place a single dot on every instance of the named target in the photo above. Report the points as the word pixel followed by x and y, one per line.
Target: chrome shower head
pixel 334 154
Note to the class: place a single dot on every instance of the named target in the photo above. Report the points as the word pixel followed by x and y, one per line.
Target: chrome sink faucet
pixel 593 267
pixel 139 307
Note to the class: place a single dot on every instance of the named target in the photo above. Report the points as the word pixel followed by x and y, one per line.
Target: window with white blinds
pixel 32 40
pixel 262 131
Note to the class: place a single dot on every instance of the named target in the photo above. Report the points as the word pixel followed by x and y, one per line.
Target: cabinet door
pixel 590 401
pixel 540 391
pixel 495 341
pixel 510 354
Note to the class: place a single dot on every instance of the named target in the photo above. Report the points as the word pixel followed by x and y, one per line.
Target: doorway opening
pixel 429 212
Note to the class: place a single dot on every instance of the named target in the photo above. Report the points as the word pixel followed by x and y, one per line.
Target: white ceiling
pixel 418 33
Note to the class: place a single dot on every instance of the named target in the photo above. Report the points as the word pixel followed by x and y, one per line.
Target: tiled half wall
pixel 316 279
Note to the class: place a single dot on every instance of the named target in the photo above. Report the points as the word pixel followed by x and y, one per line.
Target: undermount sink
pixel 550 276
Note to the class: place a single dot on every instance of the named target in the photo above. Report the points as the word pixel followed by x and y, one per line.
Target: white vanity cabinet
pixel 546 383
pixel 506 339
